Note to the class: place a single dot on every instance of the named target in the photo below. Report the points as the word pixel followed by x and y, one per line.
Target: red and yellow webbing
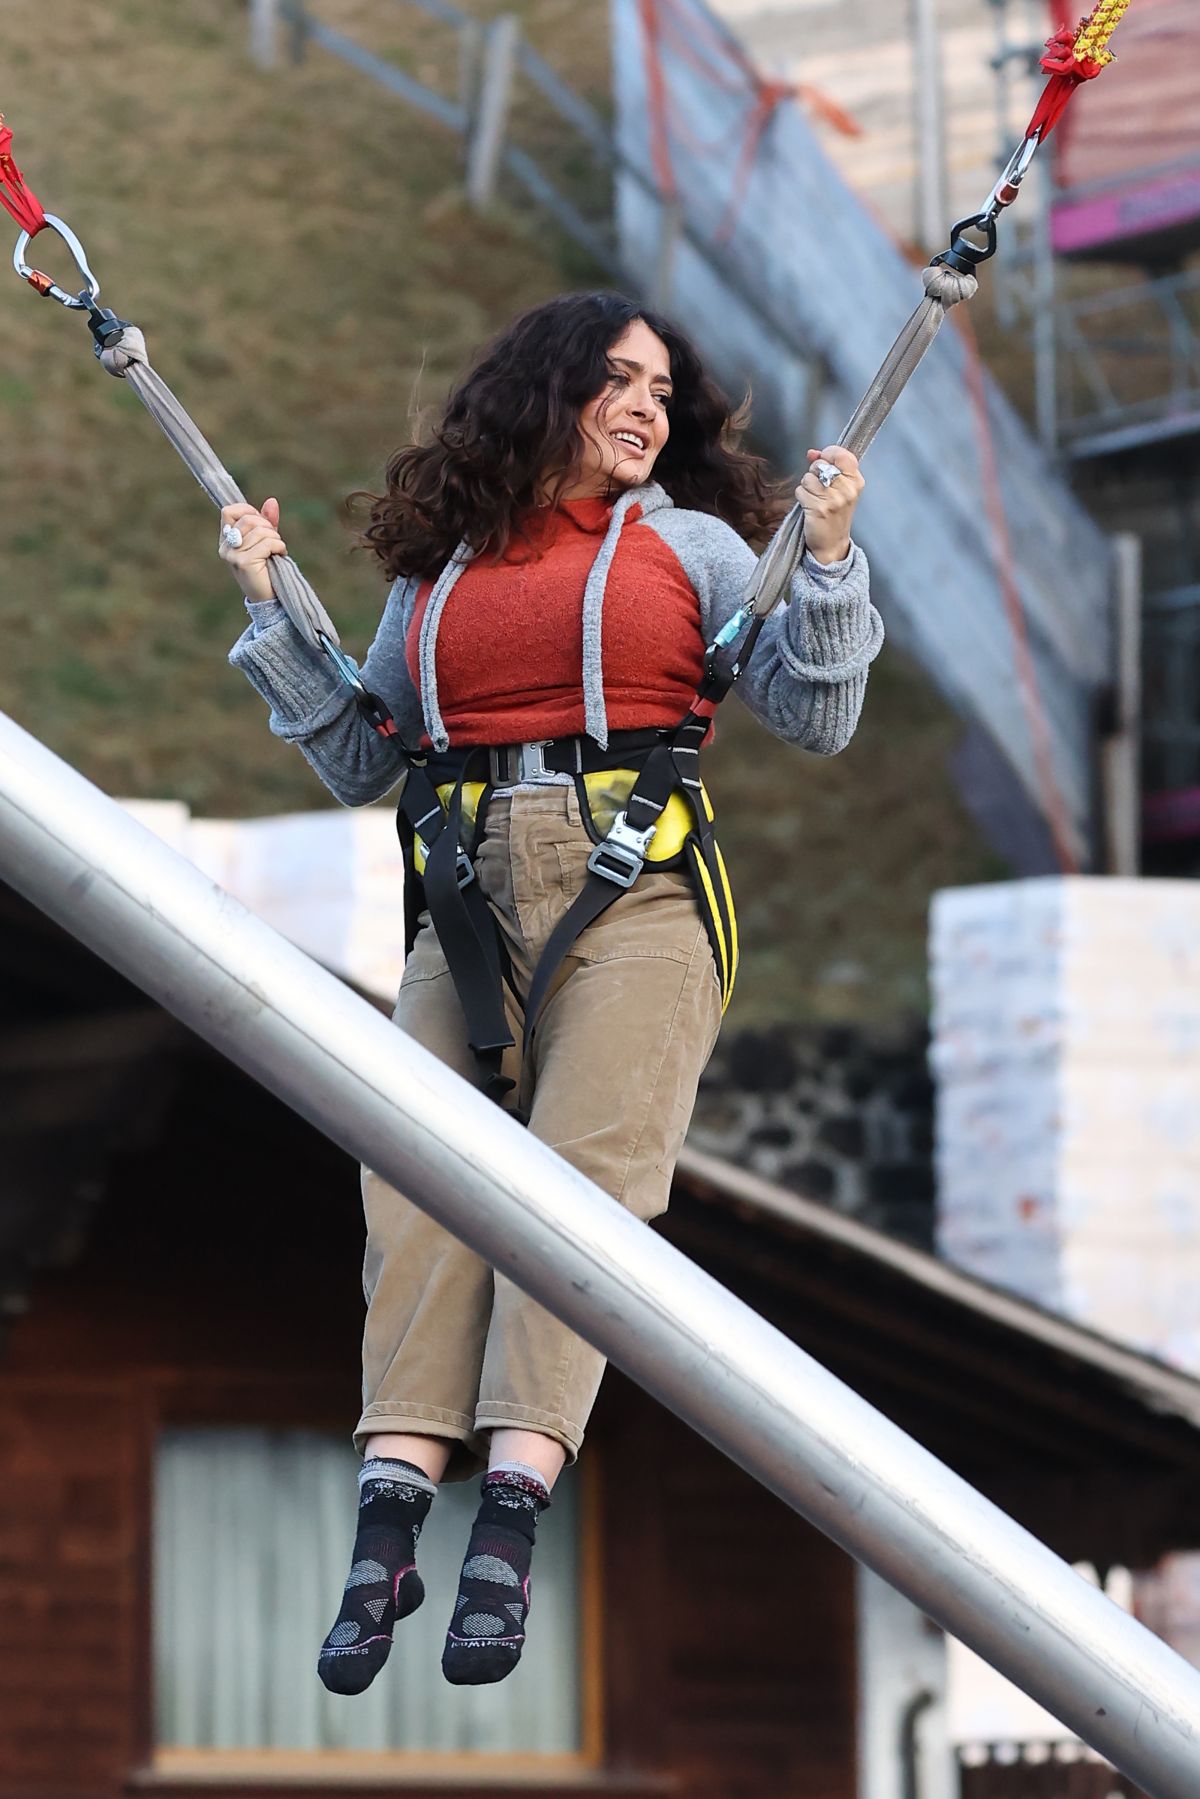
pixel 1073 56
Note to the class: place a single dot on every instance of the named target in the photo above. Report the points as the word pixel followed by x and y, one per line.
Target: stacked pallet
pixel 331 881
pixel 1066 1047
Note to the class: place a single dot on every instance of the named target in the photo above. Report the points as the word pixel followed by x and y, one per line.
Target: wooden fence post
pixel 295 14
pixel 264 33
pixel 471 40
pixel 486 146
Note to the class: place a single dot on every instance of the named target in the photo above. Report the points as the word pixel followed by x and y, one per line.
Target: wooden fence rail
pixel 489 60
pixel 596 238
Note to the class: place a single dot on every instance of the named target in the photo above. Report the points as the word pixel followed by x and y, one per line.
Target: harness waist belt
pixel 509 764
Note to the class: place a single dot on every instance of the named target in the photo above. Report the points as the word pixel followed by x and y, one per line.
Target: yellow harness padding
pixel 473 792
pixel 608 793
pixel 674 841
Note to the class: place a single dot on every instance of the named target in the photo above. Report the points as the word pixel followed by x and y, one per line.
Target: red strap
pixel 1067 72
pixel 24 206
pixel 720 59
pixel 656 82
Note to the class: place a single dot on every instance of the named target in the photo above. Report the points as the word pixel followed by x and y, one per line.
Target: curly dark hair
pixel 513 422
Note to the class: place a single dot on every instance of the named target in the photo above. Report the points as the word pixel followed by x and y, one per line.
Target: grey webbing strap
pixel 127 359
pixel 768 585
pixel 944 288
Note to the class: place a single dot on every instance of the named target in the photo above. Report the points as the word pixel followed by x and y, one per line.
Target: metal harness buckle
pixel 518 762
pixel 622 855
pixel 464 870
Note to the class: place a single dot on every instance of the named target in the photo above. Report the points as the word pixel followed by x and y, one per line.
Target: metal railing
pixel 1172 691
pixel 461 114
pixel 1129 365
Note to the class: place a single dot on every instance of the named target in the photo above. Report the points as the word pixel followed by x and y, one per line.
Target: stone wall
pixel 838 1114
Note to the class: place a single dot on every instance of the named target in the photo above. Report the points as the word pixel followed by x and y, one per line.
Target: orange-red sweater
pixel 510 643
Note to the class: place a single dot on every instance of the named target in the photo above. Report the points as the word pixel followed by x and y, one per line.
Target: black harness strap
pixel 468 932
pixel 464 924
pixel 614 866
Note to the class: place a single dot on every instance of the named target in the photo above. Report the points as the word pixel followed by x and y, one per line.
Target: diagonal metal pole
pixel 736 1379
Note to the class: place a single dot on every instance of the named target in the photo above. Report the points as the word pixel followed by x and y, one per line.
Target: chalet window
pixel 252 1534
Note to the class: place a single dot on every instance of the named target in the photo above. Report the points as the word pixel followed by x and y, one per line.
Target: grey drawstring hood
pixel 443 587
pixel 595 718
pixel 650 497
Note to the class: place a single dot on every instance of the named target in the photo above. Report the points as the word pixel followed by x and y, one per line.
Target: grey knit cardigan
pixel 805 681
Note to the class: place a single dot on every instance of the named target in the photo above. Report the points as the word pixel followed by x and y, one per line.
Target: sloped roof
pixel 994 1385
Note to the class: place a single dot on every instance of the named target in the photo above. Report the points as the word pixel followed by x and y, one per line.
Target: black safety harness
pixel 667 762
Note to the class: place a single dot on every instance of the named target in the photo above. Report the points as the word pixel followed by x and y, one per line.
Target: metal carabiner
pixel 83 302
pixel 346 669
pixel 1008 187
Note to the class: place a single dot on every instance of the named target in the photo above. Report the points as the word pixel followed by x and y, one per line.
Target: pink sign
pixel 1159 204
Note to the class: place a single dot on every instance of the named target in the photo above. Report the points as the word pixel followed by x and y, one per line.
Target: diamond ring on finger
pixel 826 472
pixel 231 537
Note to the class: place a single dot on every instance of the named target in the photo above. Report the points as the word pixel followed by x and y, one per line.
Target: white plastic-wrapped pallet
pixel 331 881
pixel 1066 1049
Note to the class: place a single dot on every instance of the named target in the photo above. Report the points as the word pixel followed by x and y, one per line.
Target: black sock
pixel 487 1631
pixel 393 1498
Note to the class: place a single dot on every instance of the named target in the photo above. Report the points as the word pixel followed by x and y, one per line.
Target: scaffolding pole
pixel 762 1401
pixel 929 106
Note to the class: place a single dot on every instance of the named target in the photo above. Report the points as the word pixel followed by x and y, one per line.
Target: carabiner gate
pixel 82 302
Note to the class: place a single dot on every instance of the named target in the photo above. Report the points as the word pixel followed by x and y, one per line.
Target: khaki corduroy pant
pixel 452 1349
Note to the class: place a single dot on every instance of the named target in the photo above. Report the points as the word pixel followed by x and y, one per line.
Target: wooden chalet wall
pixel 71 1527
pixel 221 1284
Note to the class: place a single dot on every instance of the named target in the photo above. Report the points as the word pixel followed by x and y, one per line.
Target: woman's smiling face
pixel 626 426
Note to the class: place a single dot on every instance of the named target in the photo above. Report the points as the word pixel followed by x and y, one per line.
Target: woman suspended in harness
pixel 561 553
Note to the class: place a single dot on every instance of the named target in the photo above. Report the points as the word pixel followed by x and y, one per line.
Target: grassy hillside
pixel 297 250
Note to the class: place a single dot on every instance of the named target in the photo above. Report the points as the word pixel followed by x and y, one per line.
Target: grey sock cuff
pixel 499 1469
pixel 382 1467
